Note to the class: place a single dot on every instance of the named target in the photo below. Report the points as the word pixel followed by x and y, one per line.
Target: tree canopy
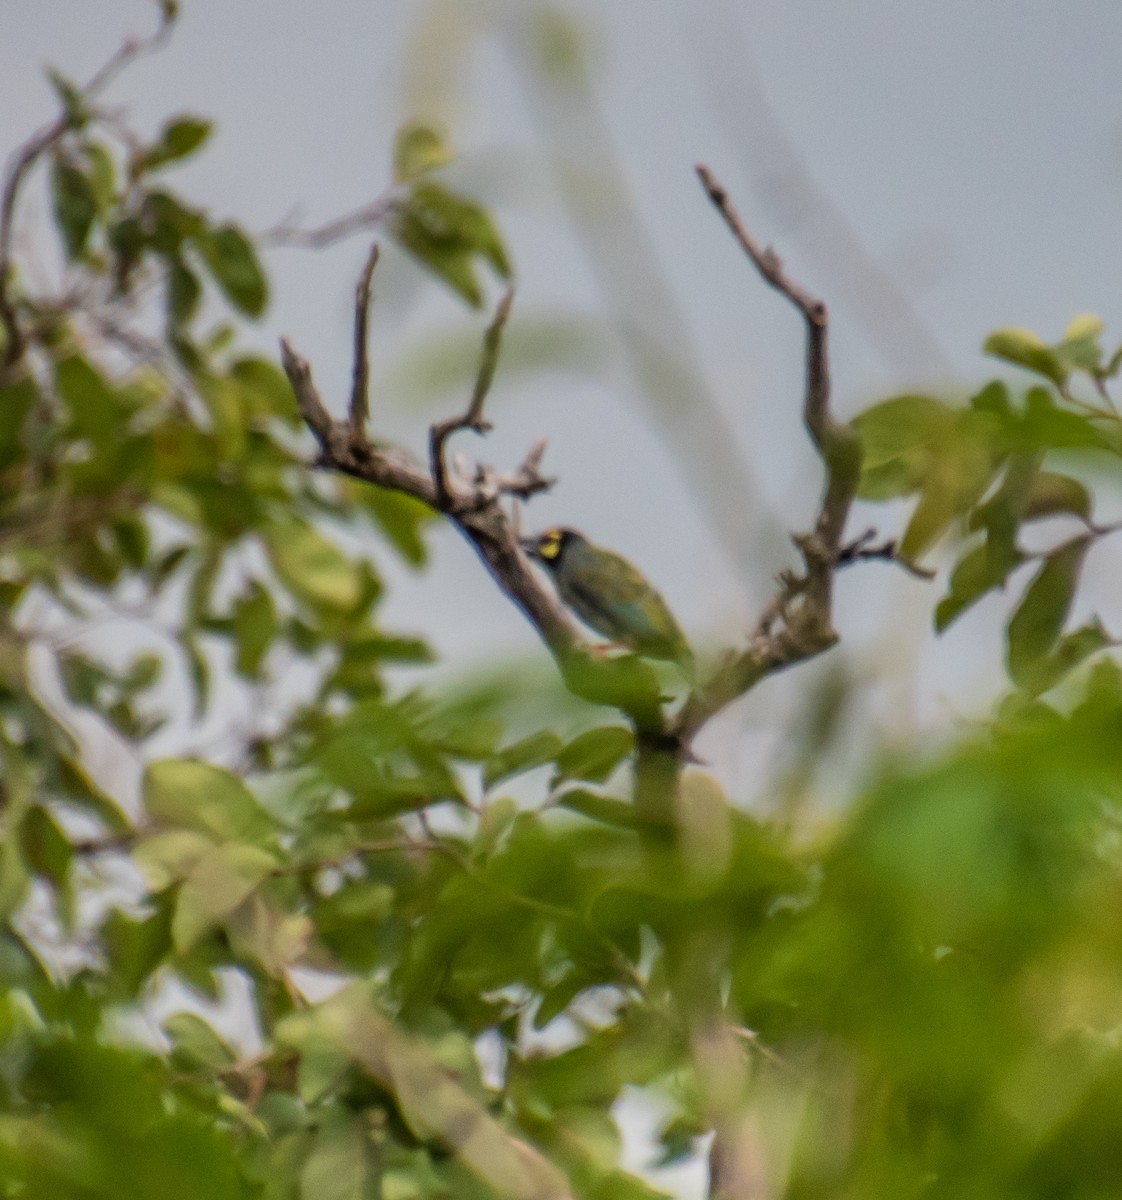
pixel 457 939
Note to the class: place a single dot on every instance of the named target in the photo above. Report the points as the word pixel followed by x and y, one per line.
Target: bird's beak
pixel 530 546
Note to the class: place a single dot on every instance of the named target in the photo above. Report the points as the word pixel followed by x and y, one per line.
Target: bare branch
pixel 369 216
pixel 528 480
pixel 472 418
pixel 29 154
pixel 360 387
pixel 798 623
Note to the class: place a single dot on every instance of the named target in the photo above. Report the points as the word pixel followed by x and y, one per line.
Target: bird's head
pixel 549 547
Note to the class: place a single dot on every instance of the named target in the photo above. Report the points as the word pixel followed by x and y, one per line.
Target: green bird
pixel 610 595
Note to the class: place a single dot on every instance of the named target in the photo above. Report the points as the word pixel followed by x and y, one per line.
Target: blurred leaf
pixel 220 880
pixel 525 755
pixel 1023 348
pixel 1053 494
pixel 895 436
pixel 445 233
pixel 977 572
pixel 255 628
pixel 233 263
pixel 180 137
pixel 1080 348
pixel 75 205
pixel 312 567
pixel 449 360
pixel 418 149
pixel 186 793
pixel 46 849
pixel 194 1044
pixel 1036 624
pixel 70 97
pixel 594 754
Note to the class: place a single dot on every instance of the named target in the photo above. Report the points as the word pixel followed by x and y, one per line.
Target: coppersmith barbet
pixel 610 595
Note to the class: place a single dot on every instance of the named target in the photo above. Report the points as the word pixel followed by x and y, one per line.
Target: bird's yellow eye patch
pixel 549 545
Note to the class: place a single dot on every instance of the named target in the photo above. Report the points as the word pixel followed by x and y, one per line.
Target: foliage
pixel 925 993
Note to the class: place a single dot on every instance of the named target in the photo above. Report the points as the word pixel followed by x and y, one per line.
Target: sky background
pixel 932 171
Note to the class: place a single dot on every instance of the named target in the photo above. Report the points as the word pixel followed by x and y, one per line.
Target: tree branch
pixel 360 387
pixel 798 623
pixel 472 418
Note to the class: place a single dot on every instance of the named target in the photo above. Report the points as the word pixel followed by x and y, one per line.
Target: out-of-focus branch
pixel 369 216
pixel 798 623
pixel 472 417
pixel 27 155
pixel 360 386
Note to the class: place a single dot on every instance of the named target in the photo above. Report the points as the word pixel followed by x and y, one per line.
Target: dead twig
pixel 472 417
pixel 798 622
pixel 360 386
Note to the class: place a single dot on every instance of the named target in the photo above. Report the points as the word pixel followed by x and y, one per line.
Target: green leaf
pixel 71 99
pixel 1052 495
pixel 595 754
pixel 135 948
pixel 337 1166
pixel 978 571
pixel 179 138
pixel 255 629
pixel 233 263
pixel 75 205
pixel 1071 650
pixel 1024 349
pixel 896 436
pixel 418 149
pixel 188 794
pixel 608 811
pixel 445 233
pixel 401 518
pixel 1036 624
pixel 216 884
pixel 183 293
pixel 311 566
pixel 46 849
pixel 525 755
pixel 194 1044
pixel 1080 348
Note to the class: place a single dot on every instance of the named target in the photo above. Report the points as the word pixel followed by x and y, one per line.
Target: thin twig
pixel 369 216
pixel 360 387
pixel 472 418
pixel 861 550
pixel 798 623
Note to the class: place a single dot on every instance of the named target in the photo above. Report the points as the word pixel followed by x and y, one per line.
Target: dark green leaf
pixel 1039 619
pixel 179 138
pixel 183 293
pixel 75 205
pixel 977 572
pixel 46 849
pixel 232 262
